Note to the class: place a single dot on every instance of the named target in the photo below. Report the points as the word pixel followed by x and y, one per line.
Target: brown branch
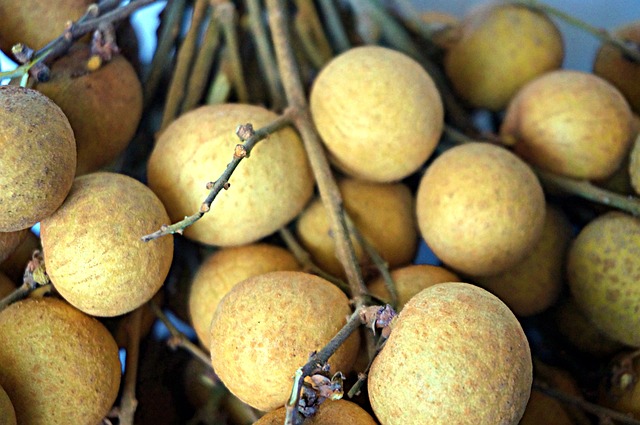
pixel 129 403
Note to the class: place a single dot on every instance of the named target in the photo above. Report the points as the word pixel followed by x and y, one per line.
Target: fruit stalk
pixel 129 403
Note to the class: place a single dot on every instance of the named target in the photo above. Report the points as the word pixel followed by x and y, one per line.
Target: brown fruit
pixel 456 354
pixel 544 409
pixel 92 247
pixel 267 190
pixel 6 285
pixel 264 329
pixel 7 412
pixel 571 123
pixel 16 263
pixel 64 364
pixel 634 165
pixel 501 47
pixel 9 241
pixel 480 209
pixel 104 106
pixel 378 112
pixel 339 412
pixel 219 273
pixel 38 158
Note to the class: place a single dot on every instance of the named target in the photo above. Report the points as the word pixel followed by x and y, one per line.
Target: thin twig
pixel 335 26
pixel 227 16
pixel 309 29
pixel 129 403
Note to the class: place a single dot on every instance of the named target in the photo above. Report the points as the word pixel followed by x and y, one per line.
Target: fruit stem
pixel 129 403
pixel 19 293
pixel 309 29
pixel 227 17
pixel 335 26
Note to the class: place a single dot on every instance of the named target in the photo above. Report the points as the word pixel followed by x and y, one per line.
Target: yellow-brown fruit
pixel 219 273
pixel 620 390
pixel 7 412
pixel 38 158
pixel 543 409
pixel 92 247
pixel 634 165
pixel 104 106
pixel 480 209
pixel 378 112
pixel 411 280
pixel 339 412
pixel 603 270
pixel 534 284
pixel 264 329
pixel 571 123
pixel 9 241
pixel 64 365
pixel 6 285
pixel 384 214
pixel 16 263
pixel 500 49
pixel 456 354
pixel 612 65
pixel 267 190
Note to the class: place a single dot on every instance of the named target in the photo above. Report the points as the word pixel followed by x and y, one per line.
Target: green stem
pixel 227 17
pixel 335 26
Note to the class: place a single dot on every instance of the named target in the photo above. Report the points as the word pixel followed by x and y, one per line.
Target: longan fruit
pixel 7 412
pixel 9 241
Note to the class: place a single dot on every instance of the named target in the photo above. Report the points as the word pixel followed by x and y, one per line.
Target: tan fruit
pixel 7 412
pixel 543 409
pixel 500 49
pixel 634 165
pixel 533 285
pixel 38 158
pixel 267 190
pixel 6 285
pixel 9 241
pixel 480 209
pixel 264 329
pixel 391 230
pixel 603 269
pixel 410 280
pixel 456 354
pixel 64 364
pixel 104 106
pixel 219 273
pixel 92 247
pixel 16 263
pixel 571 123
pixel 339 412
pixel 378 112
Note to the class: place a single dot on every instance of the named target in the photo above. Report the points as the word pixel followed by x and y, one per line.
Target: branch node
pixel 239 152
pixel 245 131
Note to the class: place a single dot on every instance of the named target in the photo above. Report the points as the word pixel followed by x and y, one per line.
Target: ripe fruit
pixel 265 328
pixel 634 165
pixel 378 112
pixel 7 412
pixel 38 158
pixel 480 209
pixel 92 247
pixel 544 409
pixel 64 365
pixel 6 285
pixel 570 123
pixel 456 354
pixel 268 189
pixel 501 47
pixel 603 270
pixel 9 241
pixel 219 273
pixel 339 412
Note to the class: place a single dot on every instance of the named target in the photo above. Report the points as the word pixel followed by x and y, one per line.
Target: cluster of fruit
pixel 456 351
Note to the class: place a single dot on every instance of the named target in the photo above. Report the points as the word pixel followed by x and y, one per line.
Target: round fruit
pixel 391 231
pixel 603 271
pixel 339 412
pixel 571 123
pixel 7 412
pixel 38 160
pixel 64 364
pixel 480 209
pixel 265 328
pixel 92 247
pixel 219 273
pixel 634 165
pixel 501 47
pixel 544 409
pixel 6 285
pixel 9 241
pixel 267 189
pixel 378 112
pixel 455 351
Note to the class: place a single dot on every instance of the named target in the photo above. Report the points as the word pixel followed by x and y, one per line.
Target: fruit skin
pixel 16 263
pixel 634 165
pixel 64 364
pixel 92 247
pixel 38 158
pixel 480 209
pixel 225 268
pixel 265 328
pixel 543 409
pixel 268 189
pixel 456 354
pixel 571 123
pixel 339 412
pixel 6 285
pixel 603 271
pixel 7 412
pixel 500 48
pixel 9 241
pixel 378 112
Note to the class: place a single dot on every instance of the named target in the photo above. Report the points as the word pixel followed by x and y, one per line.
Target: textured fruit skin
pixel 7 412
pixel 456 354
pixel 225 268
pixel 339 412
pixel 603 271
pixel 480 209
pixel 38 158
pixel 268 189
pixel 392 231
pixel 64 365
pixel 9 241
pixel 92 247
pixel 571 123
pixel 501 48
pixel 104 107
pixel 265 328
pixel 378 112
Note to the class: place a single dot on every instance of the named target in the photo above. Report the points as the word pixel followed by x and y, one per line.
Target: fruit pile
pixel 248 245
